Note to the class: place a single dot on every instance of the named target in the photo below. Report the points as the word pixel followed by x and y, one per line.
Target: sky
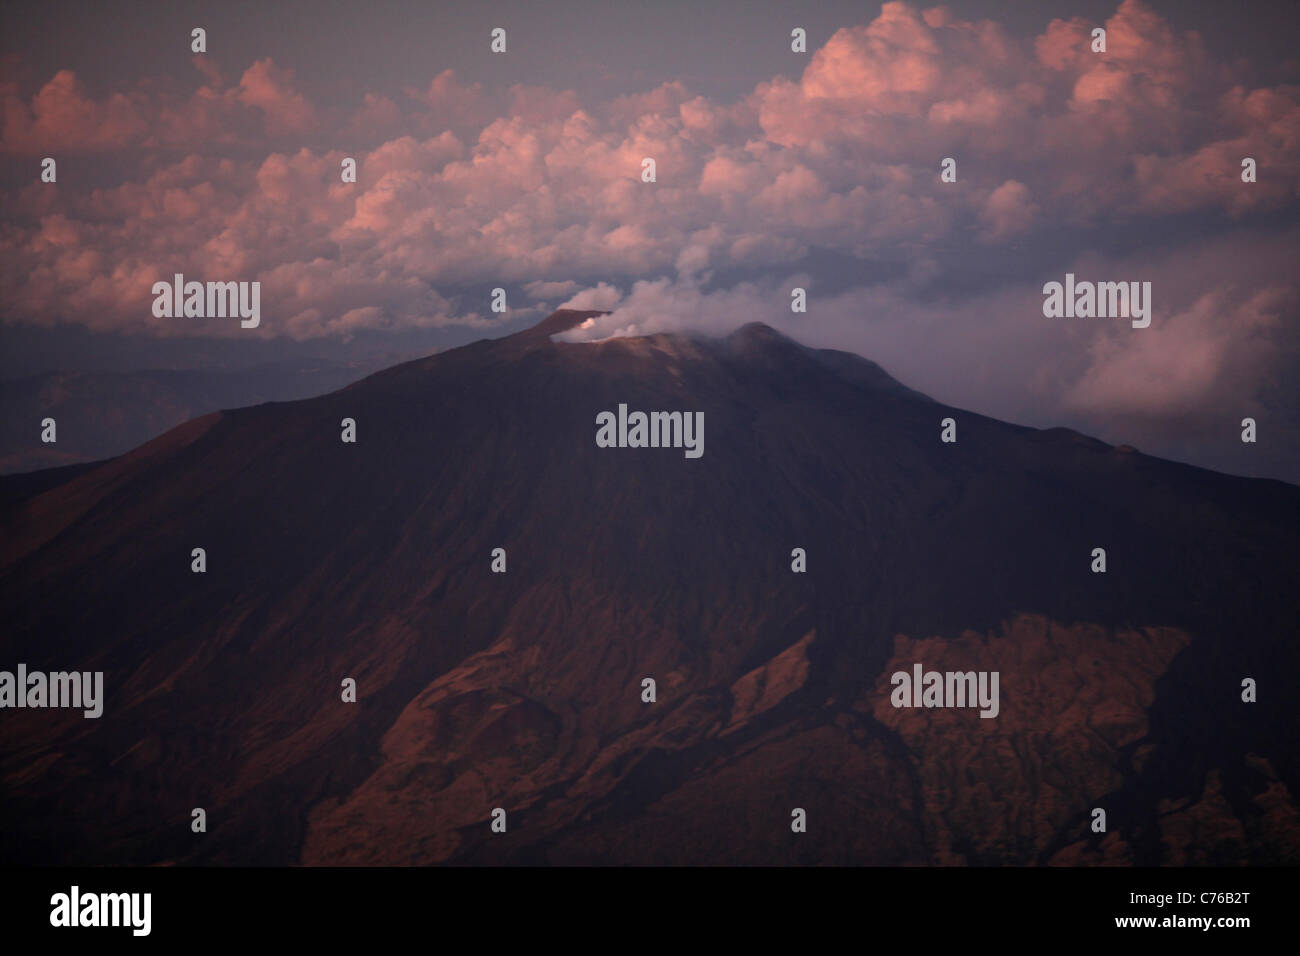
pixel 775 169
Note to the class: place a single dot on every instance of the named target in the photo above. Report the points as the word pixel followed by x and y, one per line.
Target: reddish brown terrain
pixel 522 690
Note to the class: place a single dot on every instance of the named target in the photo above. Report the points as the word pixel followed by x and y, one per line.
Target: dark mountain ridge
pixel 100 414
pixel 522 690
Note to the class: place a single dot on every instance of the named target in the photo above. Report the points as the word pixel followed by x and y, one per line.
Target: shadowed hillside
pixel 522 690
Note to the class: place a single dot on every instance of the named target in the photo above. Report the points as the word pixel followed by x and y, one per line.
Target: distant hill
pixel 102 414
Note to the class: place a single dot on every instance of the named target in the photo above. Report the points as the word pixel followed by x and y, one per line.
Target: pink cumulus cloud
pixel 461 187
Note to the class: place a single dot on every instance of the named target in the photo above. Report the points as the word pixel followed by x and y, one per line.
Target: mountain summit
pixel 517 679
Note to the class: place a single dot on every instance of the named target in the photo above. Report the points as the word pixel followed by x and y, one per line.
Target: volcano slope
pixel 522 690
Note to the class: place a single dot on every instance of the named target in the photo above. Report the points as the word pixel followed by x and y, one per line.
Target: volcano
pixel 523 690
